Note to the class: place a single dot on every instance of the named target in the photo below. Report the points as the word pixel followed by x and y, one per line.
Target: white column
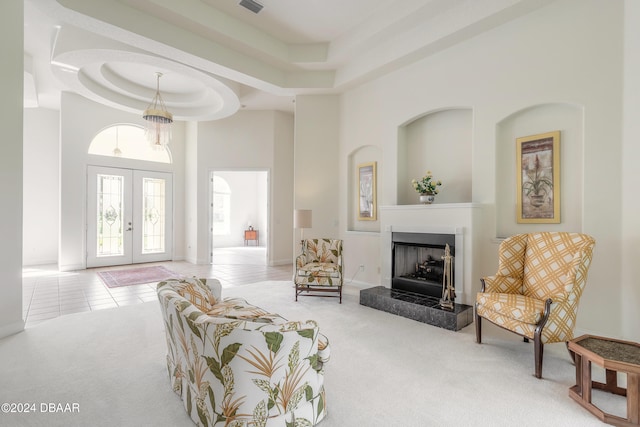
pixel 11 69
pixel 630 297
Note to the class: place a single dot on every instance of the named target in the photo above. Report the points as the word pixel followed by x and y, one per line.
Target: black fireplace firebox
pixel 417 264
pixel 416 282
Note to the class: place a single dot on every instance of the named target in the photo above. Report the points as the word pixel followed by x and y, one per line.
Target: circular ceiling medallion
pixel 127 80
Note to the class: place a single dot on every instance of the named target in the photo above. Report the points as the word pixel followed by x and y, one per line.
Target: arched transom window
pixel 128 142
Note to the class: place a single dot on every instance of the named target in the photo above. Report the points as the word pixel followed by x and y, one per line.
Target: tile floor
pixel 48 293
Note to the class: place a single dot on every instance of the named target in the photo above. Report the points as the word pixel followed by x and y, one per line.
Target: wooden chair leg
pixel 537 337
pixel 538 350
pixel 478 328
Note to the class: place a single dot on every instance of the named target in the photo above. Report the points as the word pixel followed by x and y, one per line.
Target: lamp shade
pixel 302 218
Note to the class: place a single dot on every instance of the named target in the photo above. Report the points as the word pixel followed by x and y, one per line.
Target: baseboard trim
pixel 11 329
pixel 71 267
pixel 36 263
pixel 360 284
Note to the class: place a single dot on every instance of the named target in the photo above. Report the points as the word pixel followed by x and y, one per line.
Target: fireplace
pixel 426 229
pixel 417 263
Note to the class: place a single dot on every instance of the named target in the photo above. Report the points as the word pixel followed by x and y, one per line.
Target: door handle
pixel 129 228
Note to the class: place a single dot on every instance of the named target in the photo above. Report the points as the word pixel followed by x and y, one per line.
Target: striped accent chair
pixel 537 288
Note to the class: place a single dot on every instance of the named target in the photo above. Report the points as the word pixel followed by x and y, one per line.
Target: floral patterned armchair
pixel 537 288
pixel 235 365
pixel 319 268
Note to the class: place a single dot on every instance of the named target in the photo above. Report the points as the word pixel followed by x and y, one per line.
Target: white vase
pixel 427 198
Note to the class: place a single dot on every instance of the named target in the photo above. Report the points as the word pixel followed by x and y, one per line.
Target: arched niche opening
pixel 534 120
pixel 439 142
pixel 363 155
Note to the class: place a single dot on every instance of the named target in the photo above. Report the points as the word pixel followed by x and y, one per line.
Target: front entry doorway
pixel 129 216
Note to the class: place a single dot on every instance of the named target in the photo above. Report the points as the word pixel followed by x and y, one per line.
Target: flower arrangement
pixel 426 184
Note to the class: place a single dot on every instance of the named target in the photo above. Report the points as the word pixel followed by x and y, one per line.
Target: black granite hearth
pixel 418 307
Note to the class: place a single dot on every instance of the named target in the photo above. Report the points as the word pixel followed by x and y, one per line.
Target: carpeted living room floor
pixel 385 370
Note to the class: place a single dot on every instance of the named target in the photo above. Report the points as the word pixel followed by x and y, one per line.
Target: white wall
pixel 41 186
pixel 11 69
pixel 441 141
pixel 281 179
pixel 552 55
pixel 316 163
pixel 190 192
pixel 569 119
pixel 249 140
pixel 81 120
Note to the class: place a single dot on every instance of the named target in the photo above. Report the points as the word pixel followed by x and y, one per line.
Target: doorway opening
pixel 239 219
pixel 129 216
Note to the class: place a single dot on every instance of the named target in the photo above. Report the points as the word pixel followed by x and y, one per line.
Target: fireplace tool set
pixel 448 291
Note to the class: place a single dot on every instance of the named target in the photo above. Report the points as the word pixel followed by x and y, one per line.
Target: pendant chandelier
pixel 158 128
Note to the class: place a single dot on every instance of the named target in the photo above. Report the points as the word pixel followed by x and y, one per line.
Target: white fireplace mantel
pixel 461 219
pixel 433 206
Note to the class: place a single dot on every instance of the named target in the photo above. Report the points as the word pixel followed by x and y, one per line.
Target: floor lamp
pixel 302 220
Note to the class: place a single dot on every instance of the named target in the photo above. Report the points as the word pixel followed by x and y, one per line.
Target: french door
pixel 129 216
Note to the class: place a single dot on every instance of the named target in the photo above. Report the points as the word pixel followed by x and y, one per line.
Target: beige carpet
pixel 385 370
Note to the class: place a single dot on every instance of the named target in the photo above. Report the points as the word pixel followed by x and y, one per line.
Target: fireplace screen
pixel 418 265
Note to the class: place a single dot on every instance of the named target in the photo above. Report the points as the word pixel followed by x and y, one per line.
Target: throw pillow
pixel 196 292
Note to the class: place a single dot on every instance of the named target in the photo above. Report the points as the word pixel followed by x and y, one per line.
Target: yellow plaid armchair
pixel 319 268
pixel 537 288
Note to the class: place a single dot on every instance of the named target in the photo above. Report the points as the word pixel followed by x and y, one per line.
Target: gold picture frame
pixel 538 178
pixel 367 203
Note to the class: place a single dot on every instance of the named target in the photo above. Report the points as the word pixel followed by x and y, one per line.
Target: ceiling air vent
pixel 252 5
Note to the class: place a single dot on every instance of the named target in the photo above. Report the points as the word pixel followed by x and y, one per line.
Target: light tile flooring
pixel 48 293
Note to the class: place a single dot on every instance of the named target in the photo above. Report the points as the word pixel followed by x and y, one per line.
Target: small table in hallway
pixel 251 235
pixel 614 356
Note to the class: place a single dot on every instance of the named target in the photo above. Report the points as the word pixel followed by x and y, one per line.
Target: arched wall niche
pixel 440 142
pixel 533 120
pixel 363 154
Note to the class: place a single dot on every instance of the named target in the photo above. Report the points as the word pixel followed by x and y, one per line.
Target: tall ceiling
pixel 216 56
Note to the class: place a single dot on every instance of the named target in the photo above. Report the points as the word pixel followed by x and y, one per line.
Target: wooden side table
pixel 251 235
pixel 614 356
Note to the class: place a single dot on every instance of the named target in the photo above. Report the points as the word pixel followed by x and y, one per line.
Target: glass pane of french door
pixel 153 202
pixel 153 210
pixel 109 216
pixel 129 216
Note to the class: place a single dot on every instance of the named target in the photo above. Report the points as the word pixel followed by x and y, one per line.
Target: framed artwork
pixel 538 175
pixel 367 192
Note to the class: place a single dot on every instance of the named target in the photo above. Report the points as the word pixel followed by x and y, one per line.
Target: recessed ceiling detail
pixel 292 47
pixel 126 80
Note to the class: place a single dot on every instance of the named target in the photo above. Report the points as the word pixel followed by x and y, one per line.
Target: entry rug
pixel 136 276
